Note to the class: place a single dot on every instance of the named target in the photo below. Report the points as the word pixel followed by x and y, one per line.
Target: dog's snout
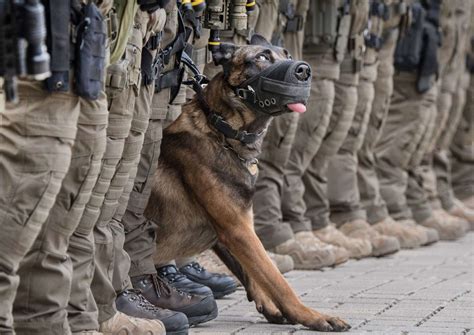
pixel 303 72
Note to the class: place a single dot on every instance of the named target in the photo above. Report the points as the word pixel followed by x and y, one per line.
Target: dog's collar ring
pixel 243 92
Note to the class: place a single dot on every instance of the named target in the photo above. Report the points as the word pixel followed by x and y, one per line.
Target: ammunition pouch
pixel 294 24
pixel 328 27
pixel 58 41
pixel 91 39
pixel 379 9
pixel 410 44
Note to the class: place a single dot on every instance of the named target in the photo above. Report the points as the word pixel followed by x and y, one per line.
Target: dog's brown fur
pixel 202 191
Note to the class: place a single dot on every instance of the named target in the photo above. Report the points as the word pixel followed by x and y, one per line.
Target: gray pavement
pixel 428 290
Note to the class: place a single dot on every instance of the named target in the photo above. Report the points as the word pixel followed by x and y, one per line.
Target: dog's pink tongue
pixel 297 107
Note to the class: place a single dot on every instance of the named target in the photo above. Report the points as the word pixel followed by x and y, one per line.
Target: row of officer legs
pixel 373 165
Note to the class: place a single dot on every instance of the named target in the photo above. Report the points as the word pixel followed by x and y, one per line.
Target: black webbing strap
pixel 58 13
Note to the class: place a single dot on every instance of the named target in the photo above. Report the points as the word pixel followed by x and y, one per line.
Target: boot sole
pixel 195 320
pixel 179 332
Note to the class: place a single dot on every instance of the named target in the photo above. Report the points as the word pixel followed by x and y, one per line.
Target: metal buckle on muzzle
pixel 280 84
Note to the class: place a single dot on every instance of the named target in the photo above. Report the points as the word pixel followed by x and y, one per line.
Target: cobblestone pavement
pixel 428 290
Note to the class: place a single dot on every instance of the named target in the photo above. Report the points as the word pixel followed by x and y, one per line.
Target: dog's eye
pixel 262 57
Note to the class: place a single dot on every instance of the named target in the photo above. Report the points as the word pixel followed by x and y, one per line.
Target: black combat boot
pixel 220 284
pixel 198 308
pixel 133 303
pixel 180 282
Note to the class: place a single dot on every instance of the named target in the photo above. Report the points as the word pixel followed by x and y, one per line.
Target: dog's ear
pixel 258 39
pixel 224 54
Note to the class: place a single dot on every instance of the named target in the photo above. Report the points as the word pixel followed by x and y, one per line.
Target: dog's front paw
pixel 329 324
pixel 337 324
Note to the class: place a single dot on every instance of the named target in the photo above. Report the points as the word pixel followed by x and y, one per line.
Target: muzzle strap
pixel 272 89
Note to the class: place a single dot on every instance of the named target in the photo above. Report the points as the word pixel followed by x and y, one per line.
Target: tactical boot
pixel 213 263
pixel 341 254
pixel 357 248
pixel 122 324
pixel 198 309
pixel 133 303
pixel 381 245
pixel 220 284
pixel 449 229
pixel 284 263
pixel 306 253
pixel 181 282
pixel 431 234
pixel 408 237
pixel 460 210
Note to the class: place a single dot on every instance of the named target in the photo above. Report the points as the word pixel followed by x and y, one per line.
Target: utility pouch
pixel 429 60
pixel 58 21
pixel 409 46
pixel 91 39
pixel 294 24
pixel 323 19
pixel 343 31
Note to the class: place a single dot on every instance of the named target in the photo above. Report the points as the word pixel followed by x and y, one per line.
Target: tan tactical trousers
pixel 140 232
pixel 276 148
pixel 315 178
pixel 368 183
pixel 343 190
pixel 441 161
pixel 121 88
pixel 36 137
pixel 399 146
pixel 462 153
pixel 46 272
pixel 267 21
pixel 311 129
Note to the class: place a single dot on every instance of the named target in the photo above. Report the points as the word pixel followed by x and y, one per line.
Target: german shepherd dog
pixel 202 191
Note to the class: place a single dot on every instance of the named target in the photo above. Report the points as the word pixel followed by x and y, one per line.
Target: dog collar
pixel 216 120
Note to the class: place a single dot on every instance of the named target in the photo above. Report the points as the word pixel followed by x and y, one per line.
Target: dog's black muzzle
pixel 283 83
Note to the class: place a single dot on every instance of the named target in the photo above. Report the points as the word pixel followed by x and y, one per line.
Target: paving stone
pixel 428 290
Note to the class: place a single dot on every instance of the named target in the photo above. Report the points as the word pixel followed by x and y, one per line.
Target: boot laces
pixel 163 288
pixel 142 301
